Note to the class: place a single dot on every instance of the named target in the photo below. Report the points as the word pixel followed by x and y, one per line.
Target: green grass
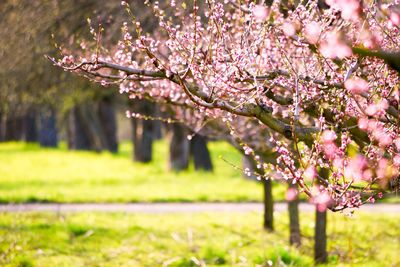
pixel 99 239
pixel 29 173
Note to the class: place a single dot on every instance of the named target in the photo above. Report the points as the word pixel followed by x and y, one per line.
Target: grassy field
pixel 99 239
pixel 29 173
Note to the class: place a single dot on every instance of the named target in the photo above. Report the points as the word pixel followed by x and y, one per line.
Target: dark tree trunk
pixel 321 255
pixel 268 205
pixel 48 136
pixel 2 127
pixel 157 130
pixel 143 131
pixel 77 136
pixel 30 130
pixel 200 152
pixel 294 219
pixel 92 126
pixel 14 129
pixel 157 125
pixel 86 130
pixel 179 147
pixel 320 242
pixel 142 140
pixel 108 123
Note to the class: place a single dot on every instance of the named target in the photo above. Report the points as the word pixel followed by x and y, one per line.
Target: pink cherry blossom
pixel 396 160
pixel 395 18
pixel 328 136
pixel 289 28
pixel 350 9
pixel 309 173
pixel 357 85
pixel 371 200
pixel 322 200
pixel 355 168
pixel 291 194
pixel 363 123
pixel 260 12
pixel 333 46
pixel 312 32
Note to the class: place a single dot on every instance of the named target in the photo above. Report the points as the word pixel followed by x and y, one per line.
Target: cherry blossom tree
pixel 323 81
pixel 321 78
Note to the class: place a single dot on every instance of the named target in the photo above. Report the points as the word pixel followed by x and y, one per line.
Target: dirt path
pixel 175 207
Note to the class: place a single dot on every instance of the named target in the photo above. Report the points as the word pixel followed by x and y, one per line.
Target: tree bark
pixel 86 130
pixel 92 126
pixel 294 219
pixel 14 128
pixel 143 131
pixel 158 130
pixel 320 242
pixel 77 136
pixel 2 127
pixel 108 121
pixel 48 136
pixel 179 148
pixel 30 129
pixel 142 137
pixel 321 255
pixel 157 125
pixel 200 152
pixel 268 206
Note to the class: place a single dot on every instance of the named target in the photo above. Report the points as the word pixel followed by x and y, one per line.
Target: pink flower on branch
pixel 334 47
pixel 260 12
pixel 350 9
pixel 291 194
pixel 357 85
pixel 312 32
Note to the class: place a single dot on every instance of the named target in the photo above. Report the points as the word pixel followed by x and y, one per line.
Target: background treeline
pixel 41 103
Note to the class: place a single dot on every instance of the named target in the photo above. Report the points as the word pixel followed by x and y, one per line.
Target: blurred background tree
pixel 40 103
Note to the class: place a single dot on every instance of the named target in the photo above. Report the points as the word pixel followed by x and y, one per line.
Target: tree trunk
pixel 142 137
pixel 92 126
pixel 86 131
pixel 157 125
pixel 48 128
pixel 294 219
pixel 158 130
pixel 2 127
pixel 143 131
pixel 30 130
pixel 200 152
pixel 179 148
pixel 268 205
pixel 14 128
pixel 77 137
pixel 108 121
pixel 320 253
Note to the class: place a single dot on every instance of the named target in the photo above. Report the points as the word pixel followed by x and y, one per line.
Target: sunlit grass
pixel 236 239
pixel 29 173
